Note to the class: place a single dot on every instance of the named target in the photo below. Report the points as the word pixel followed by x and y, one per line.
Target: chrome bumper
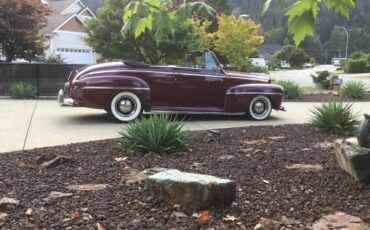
pixel 64 101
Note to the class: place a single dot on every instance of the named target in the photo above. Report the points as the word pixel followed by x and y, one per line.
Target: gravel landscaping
pixel 263 161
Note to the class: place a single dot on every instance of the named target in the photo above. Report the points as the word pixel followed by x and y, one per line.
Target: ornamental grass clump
pixel 291 89
pixel 21 90
pixel 158 134
pixel 354 89
pixel 333 117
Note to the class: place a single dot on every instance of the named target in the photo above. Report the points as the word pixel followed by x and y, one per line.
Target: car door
pixel 199 89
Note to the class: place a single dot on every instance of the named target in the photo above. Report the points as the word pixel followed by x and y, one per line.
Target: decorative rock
pixel 340 220
pixel 138 177
pixel 3 216
pixel 57 195
pixel 323 145
pixel 194 191
pixel 8 201
pixel 353 159
pixel 88 187
pixel 306 168
pixel 268 224
pixel 56 161
pixel 277 138
pixel 226 157
pixel 255 142
pixel 288 221
pixel 46 157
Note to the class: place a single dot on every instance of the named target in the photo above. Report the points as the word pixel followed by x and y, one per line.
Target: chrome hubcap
pixel 259 107
pixel 126 106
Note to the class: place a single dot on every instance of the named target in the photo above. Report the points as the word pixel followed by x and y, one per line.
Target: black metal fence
pixel 48 78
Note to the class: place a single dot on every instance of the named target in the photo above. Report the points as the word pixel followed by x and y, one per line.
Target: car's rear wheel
pixel 125 107
pixel 260 108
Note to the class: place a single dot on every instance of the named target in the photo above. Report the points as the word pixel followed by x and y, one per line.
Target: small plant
pixel 321 78
pixel 354 89
pixel 158 134
pixel 333 117
pixel 21 90
pixel 291 89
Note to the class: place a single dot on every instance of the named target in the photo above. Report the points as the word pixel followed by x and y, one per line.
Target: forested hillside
pixel 329 40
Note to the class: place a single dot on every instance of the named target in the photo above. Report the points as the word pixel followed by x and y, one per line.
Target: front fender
pixel 238 97
pixel 98 91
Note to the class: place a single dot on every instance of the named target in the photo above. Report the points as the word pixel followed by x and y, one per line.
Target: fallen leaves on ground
pixel 74 215
pixel 203 216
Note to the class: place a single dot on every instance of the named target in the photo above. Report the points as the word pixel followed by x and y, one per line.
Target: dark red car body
pixel 170 88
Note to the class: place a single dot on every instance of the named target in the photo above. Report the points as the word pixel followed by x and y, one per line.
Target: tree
pixel 160 17
pixel 302 15
pixel 21 22
pixel 236 39
pixel 295 56
pixel 105 37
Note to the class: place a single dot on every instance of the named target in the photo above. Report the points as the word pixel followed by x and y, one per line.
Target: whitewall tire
pixel 125 107
pixel 260 108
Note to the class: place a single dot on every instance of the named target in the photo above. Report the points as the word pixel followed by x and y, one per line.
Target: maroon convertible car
pixel 127 89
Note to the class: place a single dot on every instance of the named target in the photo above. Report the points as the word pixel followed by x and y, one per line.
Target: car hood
pixel 262 78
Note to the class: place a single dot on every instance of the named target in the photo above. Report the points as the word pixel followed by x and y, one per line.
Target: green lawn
pixel 308 88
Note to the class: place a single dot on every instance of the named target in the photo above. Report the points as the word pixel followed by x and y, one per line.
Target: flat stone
pixel 323 145
pixel 226 157
pixel 268 224
pixel 353 159
pixel 288 221
pixel 57 195
pixel 3 216
pixel 193 191
pixel 8 201
pixel 305 168
pixel 88 187
pixel 254 142
pixel 277 138
pixel 340 220
pixel 45 157
pixel 56 161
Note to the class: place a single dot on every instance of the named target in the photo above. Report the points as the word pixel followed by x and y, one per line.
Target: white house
pixel 66 30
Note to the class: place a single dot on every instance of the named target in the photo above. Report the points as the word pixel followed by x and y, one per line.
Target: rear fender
pixel 239 97
pixel 98 91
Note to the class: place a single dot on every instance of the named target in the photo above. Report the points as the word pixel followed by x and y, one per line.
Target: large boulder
pixel 192 191
pixel 340 220
pixel 353 159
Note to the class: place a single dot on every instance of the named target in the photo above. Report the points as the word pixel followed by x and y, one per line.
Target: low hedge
pixel 356 66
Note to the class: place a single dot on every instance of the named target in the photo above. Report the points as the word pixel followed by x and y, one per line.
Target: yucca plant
pixel 291 89
pixel 333 116
pixel 158 134
pixel 21 90
pixel 354 89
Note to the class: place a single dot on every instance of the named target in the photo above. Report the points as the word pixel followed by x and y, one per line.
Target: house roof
pixel 269 48
pixel 56 18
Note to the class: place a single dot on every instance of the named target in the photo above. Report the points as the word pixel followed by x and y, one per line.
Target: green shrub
pixel 333 117
pixel 322 78
pixel 21 90
pixel 256 69
pixel 355 66
pixel 291 89
pixel 358 55
pixel 354 89
pixel 158 134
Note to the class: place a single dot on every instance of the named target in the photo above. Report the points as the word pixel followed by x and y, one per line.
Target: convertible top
pixel 135 63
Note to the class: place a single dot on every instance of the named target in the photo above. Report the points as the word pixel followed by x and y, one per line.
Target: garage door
pixel 75 56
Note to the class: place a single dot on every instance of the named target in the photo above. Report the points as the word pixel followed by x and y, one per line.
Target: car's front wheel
pixel 260 108
pixel 125 107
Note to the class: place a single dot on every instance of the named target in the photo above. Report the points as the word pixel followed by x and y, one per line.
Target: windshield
pixel 205 60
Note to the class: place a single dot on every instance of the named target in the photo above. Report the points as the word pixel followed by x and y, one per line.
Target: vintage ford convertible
pixel 127 89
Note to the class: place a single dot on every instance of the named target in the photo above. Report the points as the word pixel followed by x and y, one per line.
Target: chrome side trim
pixel 250 93
pixel 190 112
pixel 175 73
pixel 119 88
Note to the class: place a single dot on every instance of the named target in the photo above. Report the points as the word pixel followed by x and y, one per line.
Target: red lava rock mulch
pixel 265 187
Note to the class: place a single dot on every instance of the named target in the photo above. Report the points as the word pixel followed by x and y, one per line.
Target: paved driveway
pixel 28 124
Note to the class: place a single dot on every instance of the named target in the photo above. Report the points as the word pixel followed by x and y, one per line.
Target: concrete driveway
pixel 28 124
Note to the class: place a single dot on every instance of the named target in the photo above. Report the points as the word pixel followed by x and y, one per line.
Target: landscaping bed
pixel 327 97
pixel 265 187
